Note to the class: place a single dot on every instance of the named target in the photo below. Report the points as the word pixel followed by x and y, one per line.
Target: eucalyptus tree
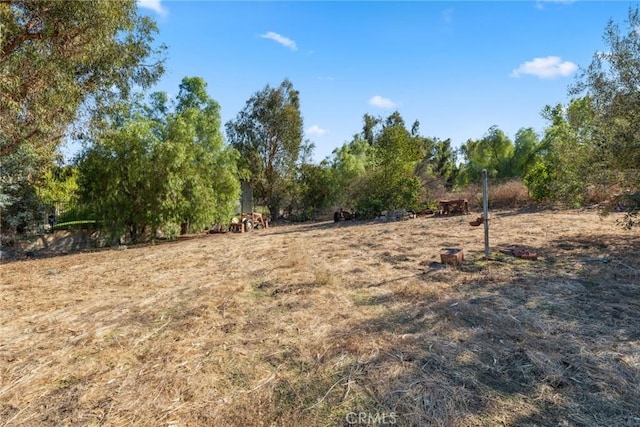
pixel 57 55
pixel 268 133
pixel 58 59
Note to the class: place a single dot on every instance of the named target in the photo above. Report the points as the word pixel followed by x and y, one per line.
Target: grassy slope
pixel 302 325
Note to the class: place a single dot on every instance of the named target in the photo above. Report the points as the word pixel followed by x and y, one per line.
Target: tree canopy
pixel 268 133
pixel 56 56
pixel 150 166
pixel 612 83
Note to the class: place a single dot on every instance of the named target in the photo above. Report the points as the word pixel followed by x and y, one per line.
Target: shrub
pixel 511 194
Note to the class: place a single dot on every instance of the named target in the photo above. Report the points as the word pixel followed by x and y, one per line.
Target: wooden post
pixel 485 208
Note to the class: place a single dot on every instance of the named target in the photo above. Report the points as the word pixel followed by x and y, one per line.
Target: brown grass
pixel 314 324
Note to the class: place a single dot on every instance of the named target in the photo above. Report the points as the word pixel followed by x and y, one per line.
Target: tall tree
pixel 146 170
pixel 268 134
pixel 369 124
pixel 561 167
pixel 612 82
pixel 444 162
pixel 208 172
pixel 493 152
pixel 527 148
pixel 348 164
pixel 391 182
pixel 56 55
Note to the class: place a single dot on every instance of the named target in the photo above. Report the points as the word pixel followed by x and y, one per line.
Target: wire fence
pixel 47 218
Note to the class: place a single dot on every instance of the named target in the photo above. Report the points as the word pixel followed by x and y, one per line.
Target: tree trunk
pixel 184 227
pixel 274 211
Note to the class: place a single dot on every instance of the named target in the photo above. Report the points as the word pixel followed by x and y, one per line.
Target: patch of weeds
pixel 262 289
pixel 324 278
pixel 549 307
pixel 67 382
pixel 363 299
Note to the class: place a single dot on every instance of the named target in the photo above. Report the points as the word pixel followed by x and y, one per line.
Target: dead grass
pixel 309 324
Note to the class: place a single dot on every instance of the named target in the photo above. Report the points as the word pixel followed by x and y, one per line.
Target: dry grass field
pixel 325 324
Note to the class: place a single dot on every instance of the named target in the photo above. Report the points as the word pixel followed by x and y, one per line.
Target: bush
pixel 511 194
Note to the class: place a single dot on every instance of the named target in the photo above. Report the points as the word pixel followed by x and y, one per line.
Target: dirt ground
pixel 323 324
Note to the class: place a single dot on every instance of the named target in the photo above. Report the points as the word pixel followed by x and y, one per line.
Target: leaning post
pixel 485 214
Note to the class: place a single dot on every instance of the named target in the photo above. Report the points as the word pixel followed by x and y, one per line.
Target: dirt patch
pixel 309 324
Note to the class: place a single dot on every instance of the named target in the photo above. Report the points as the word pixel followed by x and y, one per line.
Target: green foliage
pixel 444 162
pixel 120 180
pixel 315 189
pixel 493 152
pixel 149 167
pixel 59 55
pixel 390 181
pixel 268 134
pixel 348 165
pixel 59 184
pixel 612 83
pixel 564 165
pixel 527 148
pixel 19 172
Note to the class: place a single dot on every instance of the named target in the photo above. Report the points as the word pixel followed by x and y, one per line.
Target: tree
pixel 148 169
pixel 208 172
pixel 391 182
pixel 59 184
pixel 56 56
pixel 444 162
pixel 561 168
pixel 526 150
pixel 612 82
pixel 121 180
pixel 369 124
pixel 349 164
pixel 315 189
pixel 494 152
pixel 268 134
pixel 20 171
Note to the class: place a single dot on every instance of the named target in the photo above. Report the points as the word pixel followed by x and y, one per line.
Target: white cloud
pixel 284 41
pixel 316 130
pixel 546 68
pixel 381 102
pixel 153 5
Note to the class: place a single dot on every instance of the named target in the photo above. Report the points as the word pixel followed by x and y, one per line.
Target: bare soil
pixel 325 324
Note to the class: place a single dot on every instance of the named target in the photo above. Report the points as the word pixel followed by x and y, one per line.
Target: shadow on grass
pixel 556 344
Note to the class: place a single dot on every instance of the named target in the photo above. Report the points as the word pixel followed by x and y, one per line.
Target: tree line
pixel 149 163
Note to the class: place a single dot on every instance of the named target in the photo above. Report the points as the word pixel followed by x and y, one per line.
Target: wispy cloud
pixel 447 15
pixel 540 3
pixel 154 5
pixel 381 102
pixel 284 41
pixel 546 68
pixel 316 130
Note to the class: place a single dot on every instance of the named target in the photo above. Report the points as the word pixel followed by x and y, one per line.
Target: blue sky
pixel 457 67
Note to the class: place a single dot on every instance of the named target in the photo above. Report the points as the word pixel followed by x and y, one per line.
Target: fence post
pixel 485 209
